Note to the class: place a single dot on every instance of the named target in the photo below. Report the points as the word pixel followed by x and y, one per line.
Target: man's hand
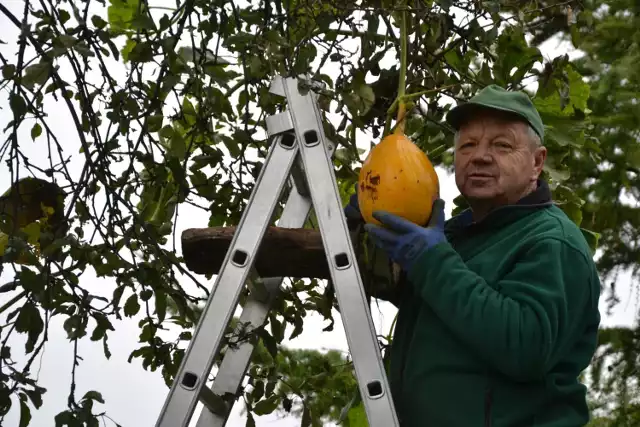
pixel 405 241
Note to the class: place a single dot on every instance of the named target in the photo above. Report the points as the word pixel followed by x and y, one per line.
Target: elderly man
pixel 498 314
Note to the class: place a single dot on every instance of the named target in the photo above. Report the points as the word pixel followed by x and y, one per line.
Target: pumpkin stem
pixel 403 72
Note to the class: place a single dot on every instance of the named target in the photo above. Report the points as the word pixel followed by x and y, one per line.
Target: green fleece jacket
pixel 495 326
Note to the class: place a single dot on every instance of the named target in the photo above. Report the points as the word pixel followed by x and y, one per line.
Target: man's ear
pixel 539 157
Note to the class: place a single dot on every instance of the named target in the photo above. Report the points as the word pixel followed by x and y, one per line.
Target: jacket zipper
pixel 487 407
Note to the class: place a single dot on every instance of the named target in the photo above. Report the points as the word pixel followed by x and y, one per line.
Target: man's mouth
pixel 480 175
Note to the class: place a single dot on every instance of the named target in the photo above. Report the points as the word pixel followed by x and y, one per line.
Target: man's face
pixel 496 162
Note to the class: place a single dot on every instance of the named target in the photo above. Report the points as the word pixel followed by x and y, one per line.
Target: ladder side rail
pixel 356 316
pixel 236 360
pixel 199 356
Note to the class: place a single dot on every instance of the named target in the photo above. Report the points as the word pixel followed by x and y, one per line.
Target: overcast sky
pixel 134 396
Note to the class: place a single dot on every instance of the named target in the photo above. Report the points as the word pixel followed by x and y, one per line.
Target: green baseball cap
pixel 494 97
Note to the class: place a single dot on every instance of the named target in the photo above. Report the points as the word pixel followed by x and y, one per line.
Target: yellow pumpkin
pixel 397 177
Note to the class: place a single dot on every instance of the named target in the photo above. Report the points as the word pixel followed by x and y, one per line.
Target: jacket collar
pixel 538 199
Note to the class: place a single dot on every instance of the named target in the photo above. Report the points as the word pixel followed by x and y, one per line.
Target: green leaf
pixel 93 395
pixel 5 352
pixel 277 329
pixel 573 211
pixel 161 305
pixel 454 59
pixel 103 324
pixel 31 281
pixel 239 40
pixel 65 418
pixel 305 57
pixel 190 54
pixel 484 76
pixel 141 52
pixel 357 417
pixel 188 112
pixel 460 204
pixel 17 103
pixel 131 306
pixel 269 388
pixel 33 231
pixel 25 412
pixel 266 406
pixel 445 4
pixel 513 52
pixel 564 134
pixel 178 146
pixel 8 71
pixel 64 16
pixel 557 172
pixel 297 327
pixel 366 98
pixel 36 131
pixel 154 122
pixel 343 155
pixel 121 13
pixel 30 321
pixel 98 22
pixel 127 48
pixel 105 348
pixel 36 396
pixel 258 390
pixel 574 88
pixel 117 295
pixel 82 211
pixel 268 341
pixel 233 145
pixel 67 40
pixel 36 74
pixel 146 295
pixel 75 327
pixel 592 239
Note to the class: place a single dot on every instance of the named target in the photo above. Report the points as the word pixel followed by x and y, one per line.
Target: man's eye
pixel 503 144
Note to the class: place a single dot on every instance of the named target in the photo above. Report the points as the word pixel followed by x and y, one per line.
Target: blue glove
pixel 404 241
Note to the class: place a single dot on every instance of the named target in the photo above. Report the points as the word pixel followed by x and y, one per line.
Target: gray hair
pixel 533 137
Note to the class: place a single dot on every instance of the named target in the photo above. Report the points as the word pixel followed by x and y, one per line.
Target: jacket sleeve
pixel 532 317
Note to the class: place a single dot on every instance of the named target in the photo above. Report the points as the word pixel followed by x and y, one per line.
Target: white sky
pixel 134 396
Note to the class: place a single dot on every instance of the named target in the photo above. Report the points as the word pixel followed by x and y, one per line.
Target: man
pixel 498 314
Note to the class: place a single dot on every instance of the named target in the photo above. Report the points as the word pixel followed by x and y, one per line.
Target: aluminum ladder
pixel 300 152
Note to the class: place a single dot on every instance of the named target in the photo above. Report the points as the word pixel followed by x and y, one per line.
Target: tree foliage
pixel 167 104
pixel 607 33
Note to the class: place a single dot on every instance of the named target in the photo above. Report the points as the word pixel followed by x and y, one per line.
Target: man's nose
pixel 481 154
